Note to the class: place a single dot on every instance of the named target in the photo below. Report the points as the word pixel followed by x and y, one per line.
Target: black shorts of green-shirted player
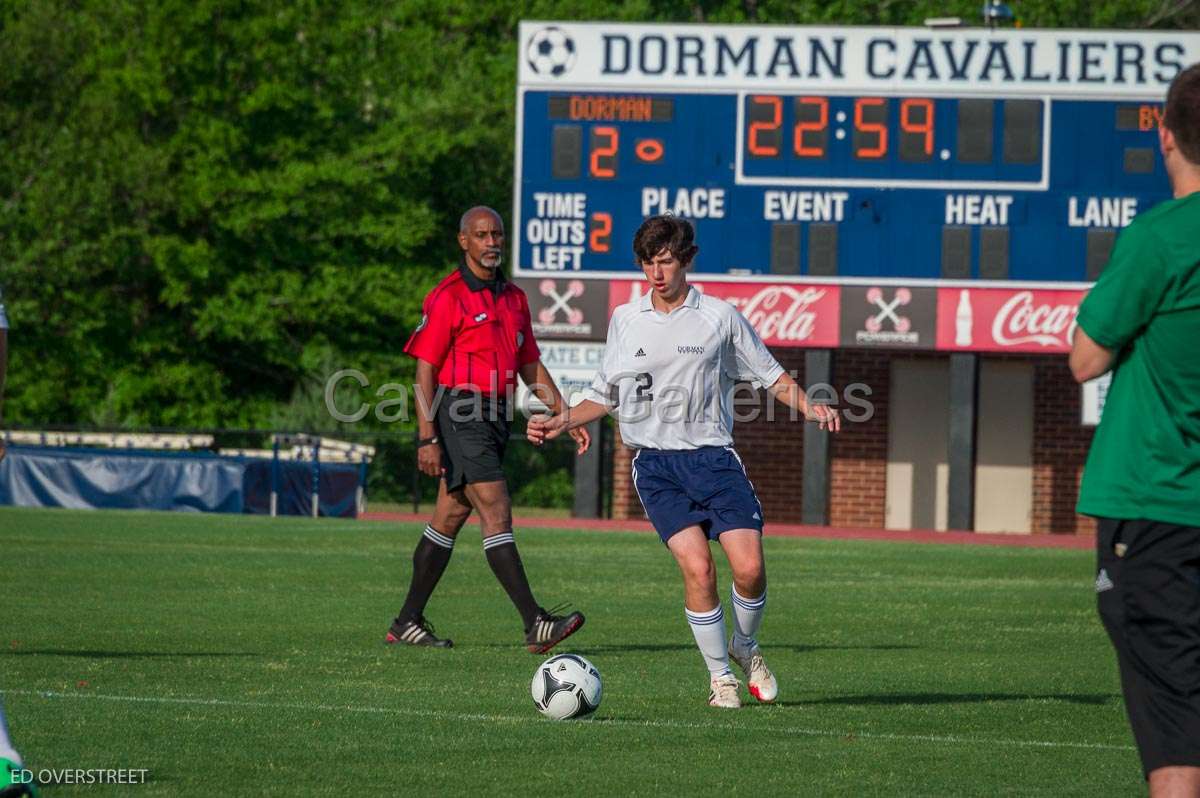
pixel 690 481
pixel 465 449
pixel 1142 479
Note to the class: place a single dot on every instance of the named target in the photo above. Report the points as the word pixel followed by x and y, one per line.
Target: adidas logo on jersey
pixel 1103 582
pixel 640 353
pixel 481 317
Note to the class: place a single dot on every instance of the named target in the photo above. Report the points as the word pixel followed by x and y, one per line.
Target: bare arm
pixel 429 457
pixel 538 379
pixel 546 428
pixel 426 385
pixel 1089 359
pixel 789 392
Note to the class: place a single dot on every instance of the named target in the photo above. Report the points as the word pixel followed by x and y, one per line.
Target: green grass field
pixel 244 656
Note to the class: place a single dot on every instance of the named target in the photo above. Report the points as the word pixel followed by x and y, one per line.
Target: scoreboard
pixel 840 155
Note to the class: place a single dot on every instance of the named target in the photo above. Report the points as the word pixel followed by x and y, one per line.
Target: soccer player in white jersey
pixel 669 370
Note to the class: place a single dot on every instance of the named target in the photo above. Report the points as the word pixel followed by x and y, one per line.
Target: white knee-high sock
pixel 709 630
pixel 7 750
pixel 747 616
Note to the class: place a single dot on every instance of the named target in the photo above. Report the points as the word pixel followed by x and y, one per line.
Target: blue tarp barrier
pixel 338 492
pixel 36 476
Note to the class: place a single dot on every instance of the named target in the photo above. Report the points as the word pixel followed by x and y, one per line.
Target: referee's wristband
pixel 426 441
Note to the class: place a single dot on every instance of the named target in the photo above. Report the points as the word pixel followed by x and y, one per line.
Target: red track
pixel 799 531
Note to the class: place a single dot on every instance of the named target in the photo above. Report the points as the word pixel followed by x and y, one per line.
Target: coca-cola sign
pixel 782 314
pixel 1006 319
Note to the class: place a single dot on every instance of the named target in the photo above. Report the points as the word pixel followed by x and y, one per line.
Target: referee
pixel 475 338
pixel 1142 479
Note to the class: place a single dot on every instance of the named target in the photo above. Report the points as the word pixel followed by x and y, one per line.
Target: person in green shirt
pixel 1141 320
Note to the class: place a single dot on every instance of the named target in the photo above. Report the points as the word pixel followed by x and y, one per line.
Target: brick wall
pixel 1060 447
pixel 858 454
pixel 625 503
pixel 773 449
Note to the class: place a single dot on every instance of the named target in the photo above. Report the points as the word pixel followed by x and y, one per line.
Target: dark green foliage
pixel 208 207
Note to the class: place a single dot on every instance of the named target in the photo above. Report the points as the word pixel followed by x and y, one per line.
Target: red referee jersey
pixel 476 334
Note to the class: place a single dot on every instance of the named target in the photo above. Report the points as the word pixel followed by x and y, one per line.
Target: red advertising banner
pixel 782 314
pixel 967 319
pixel 1006 319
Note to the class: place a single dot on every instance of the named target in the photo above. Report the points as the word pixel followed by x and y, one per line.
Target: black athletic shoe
pixel 549 630
pixel 418 632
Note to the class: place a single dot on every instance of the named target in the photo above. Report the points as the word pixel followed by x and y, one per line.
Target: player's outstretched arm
pixel 546 428
pixel 538 379
pixel 789 392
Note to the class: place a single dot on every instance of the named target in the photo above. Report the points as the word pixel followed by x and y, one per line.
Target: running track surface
pixel 798 531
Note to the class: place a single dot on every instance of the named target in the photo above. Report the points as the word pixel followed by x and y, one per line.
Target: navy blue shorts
pixel 705 487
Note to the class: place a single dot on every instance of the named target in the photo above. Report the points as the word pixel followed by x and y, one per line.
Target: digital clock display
pixel 894 138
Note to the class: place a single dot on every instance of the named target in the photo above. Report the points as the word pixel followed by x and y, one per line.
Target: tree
pixel 207 206
pixel 203 205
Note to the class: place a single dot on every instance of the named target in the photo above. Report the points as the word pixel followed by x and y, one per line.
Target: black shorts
pixel 473 431
pixel 1148 591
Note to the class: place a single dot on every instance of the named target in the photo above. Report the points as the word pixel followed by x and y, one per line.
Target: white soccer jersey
pixel 671 376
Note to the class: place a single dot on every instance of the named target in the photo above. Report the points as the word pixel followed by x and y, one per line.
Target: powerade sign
pixel 855 59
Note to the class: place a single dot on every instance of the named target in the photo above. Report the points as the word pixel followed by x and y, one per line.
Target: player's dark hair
pixel 1182 114
pixel 668 232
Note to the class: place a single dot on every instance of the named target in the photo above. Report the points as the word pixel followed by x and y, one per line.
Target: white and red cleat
pixel 759 679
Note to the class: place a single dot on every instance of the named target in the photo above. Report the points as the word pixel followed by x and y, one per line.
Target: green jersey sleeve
pixel 1129 291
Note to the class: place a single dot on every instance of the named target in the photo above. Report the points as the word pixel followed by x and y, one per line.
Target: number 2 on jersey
pixel 645 381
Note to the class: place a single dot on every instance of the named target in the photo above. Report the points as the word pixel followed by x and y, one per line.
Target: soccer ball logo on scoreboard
pixel 551 52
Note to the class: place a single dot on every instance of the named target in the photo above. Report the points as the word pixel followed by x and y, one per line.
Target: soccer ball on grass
pixel 566 686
